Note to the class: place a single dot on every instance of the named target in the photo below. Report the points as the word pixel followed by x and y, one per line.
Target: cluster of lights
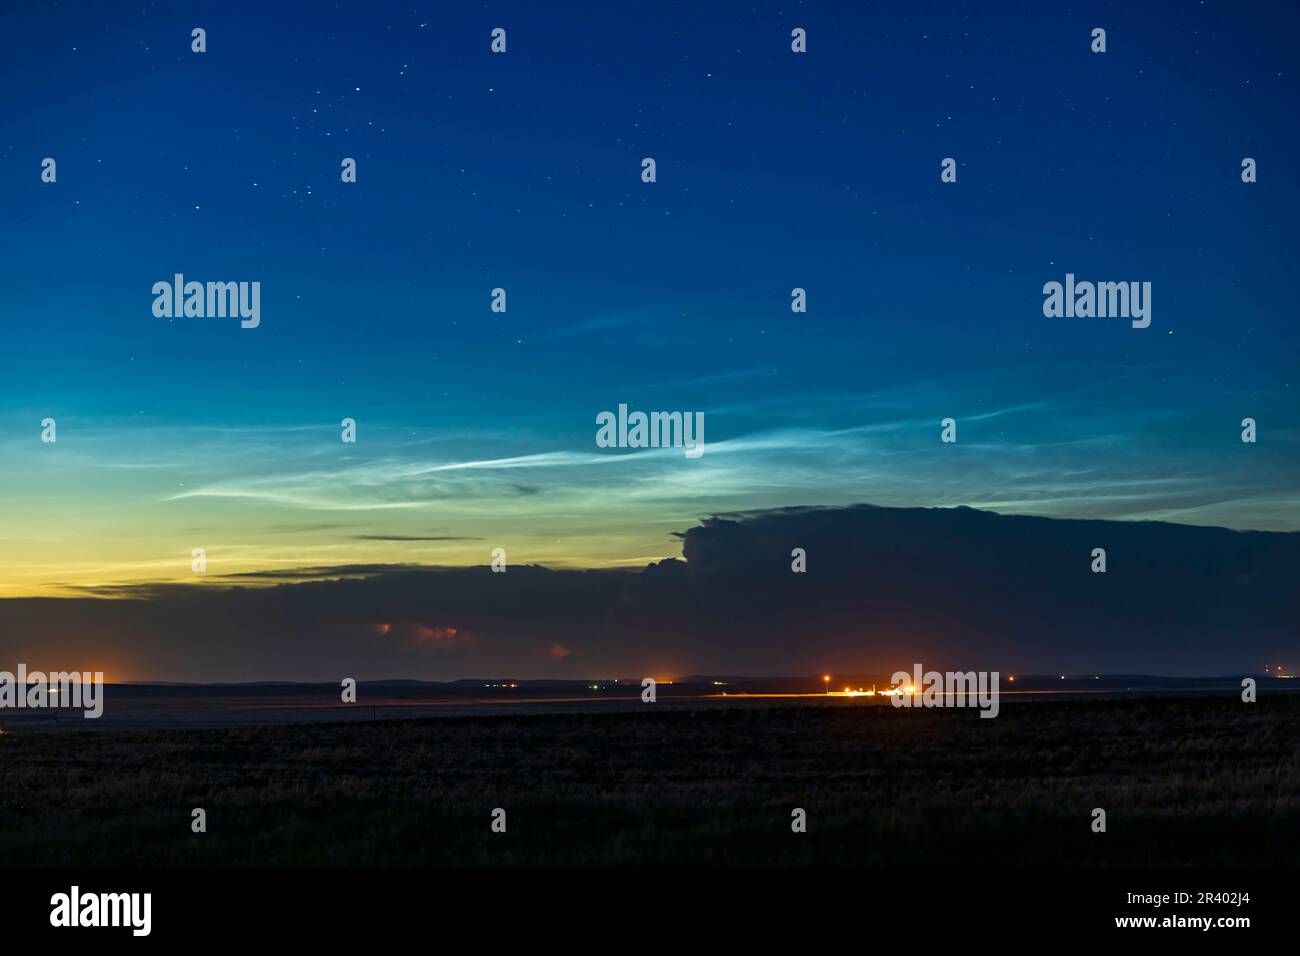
pixel 850 692
pixel 892 692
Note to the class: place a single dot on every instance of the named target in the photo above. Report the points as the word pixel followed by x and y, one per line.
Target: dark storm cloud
pixel 884 588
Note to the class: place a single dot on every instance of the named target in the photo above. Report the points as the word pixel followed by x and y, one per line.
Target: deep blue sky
pixel 522 170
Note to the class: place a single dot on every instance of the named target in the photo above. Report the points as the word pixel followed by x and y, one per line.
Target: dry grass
pixel 1193 781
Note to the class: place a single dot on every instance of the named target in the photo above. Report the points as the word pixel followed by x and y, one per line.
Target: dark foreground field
pixel 1187 781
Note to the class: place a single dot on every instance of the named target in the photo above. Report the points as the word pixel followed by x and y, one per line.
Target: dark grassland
pixel 1188 781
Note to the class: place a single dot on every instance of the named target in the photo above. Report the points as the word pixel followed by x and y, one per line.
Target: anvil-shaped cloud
pixel 883 587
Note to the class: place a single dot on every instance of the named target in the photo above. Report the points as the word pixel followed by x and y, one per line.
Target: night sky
pixel 522 170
